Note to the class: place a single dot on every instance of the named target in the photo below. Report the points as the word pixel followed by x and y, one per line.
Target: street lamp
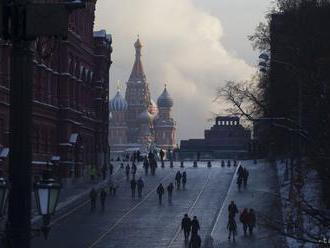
pixel 3 195
pixel 46 194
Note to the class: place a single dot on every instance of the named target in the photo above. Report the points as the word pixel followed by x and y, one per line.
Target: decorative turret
pixel 137 73
pixel 165 100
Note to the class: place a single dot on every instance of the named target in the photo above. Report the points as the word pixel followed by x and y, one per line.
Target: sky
pixel 193 46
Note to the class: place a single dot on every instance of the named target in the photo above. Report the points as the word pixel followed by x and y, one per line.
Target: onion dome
pixel 153 109
pixel 165 100
pixel 145 117
pixel 118 103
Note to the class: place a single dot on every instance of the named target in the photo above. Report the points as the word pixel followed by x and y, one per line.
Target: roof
pixel 137 73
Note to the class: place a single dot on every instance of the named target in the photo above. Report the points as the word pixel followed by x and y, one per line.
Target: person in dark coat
pixel 104 172
pixel 222 163
pixel 169 192
pixel 195 241
pixel 232 228
pixel 161 154
pixel 245 177
pixel 184 179
pixel 133 187
pixel 146 165
pixel 240 171
pixel 127 170
pixel 239 182
pixel 134 169
pixel 186 226
pixel 194 225
pixel 178 179
pixel 160 192
pixel 232 209
pixel 93 196
pixel 228 163
pixel 138 154
pixel 103 195
pixel 244 218
pixel 140 185
pixel 251 221
pixel 110 168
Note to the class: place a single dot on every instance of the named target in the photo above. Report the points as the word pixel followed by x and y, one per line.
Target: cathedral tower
pixel 137 95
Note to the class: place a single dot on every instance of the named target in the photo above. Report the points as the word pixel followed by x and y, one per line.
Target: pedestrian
pixel 104 171
pixel 186 226
pixel 138 154
pixel 115 186
pixel 232 209
pixel 178 179
pixel 251 221
pixel 240 171
pixel 222 163
pixel 110 168
pixel 121 165
pixel 103 195
pixel 232 228
pixel 133 187
pixel 239 182
pixel 146 165
pixel 235 163
pixel 228 163
pixel 93 196
pixel 161 154
pixel 245 177
pixel 194 225
pixel 140 185
pixel 195 241
pixel 127 169
pixel 244 218
pixel 134 169
pixel 184 179
pixel 160 192
pixel 169 192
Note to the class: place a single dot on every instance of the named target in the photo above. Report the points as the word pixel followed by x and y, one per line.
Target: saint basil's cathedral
pixel 136 121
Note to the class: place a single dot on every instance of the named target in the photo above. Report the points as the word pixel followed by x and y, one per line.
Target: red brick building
pixel 70 95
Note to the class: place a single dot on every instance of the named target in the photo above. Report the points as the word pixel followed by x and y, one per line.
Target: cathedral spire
pixel 137 73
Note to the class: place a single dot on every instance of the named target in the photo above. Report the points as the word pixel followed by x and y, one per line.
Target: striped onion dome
pixel 118 103
pixel 165 100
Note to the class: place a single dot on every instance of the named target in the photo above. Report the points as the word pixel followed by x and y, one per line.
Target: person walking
pixel 244 218
pixel 245 176
pixel 169 192
pixel 103 195
pixel 251 221
pixel 178 179
pixel 195 241
pixel 133 187
pixel 160 192
pixel 184 179
pixel 232 210
pixel 140 185
pixel 186 226
pixel 134 169
pixel 146 165
pixel 239 182
pixel 161 154
pixel 232 228
pixel 110 169
pixel 194 225
pixel 127 170
pixel 93 196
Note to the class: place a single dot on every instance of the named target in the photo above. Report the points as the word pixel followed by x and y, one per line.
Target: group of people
pixel 228 163
pixel 131 169
pixel 247 218
pixel 93 195
pixel 139 184
pixel 150 162
pixel 242 177
pixel 192 226
pixel 181 178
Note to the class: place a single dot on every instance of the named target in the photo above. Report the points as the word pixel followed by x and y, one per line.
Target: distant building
pixel 70 99
pixel 227 138
pixel 136 122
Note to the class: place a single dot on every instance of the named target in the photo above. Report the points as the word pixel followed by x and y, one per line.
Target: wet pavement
pixel 143 223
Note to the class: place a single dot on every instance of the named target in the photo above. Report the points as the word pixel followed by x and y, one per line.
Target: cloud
pixel 182 47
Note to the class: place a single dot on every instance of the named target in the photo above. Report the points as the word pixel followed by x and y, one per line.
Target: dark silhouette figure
pixel 140 185
pixel 133 187
pixel 103 196
pixel 228 163
pixel 232 210
pixel 239 182
pixel 134 169
pixel 160 192
pixel 169 192
pixel 127 170
pixel 194 225
pixel 195 241
pixel 184 179
pixel 186 226
pixel 104 172
pixel 178 179
pixel 146 165
pixel 245 177
pixel 251 221
pixel 161 154
pixel 244 219
pixel 232 228
pixel 93 196
pixel 111 169
pixel 222 163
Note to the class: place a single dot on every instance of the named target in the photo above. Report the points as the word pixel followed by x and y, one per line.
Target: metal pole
pixel 19 210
